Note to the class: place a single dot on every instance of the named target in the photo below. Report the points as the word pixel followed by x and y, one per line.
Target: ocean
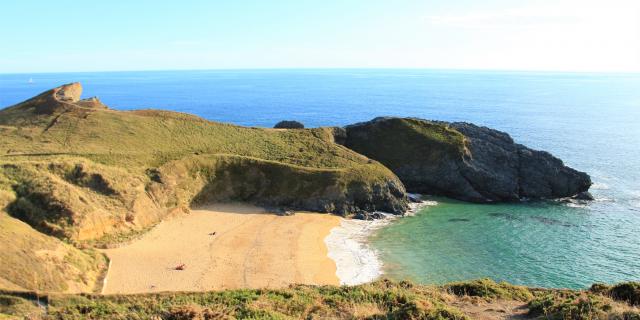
pixel 590 120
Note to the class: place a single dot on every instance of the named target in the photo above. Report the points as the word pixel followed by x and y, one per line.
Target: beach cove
pixel 250 249
pixel 233 246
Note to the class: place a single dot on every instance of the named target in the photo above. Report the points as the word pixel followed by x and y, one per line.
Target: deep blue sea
pixel 591 121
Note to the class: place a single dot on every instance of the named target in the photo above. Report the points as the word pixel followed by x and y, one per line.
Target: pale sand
pixel 357 262
pixel 251 249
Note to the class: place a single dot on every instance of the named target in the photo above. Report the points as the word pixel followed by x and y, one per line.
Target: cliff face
pixel 463 161
pixel 223 178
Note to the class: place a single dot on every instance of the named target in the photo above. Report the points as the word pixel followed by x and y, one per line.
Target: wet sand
pixel 250 249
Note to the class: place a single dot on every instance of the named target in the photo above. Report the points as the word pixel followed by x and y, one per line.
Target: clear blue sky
pixel 576 35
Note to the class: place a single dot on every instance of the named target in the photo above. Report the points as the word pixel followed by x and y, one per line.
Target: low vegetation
pixel 428 139
pixel 379 300
pixel 486 288
pixel 30 259
pixel 628 292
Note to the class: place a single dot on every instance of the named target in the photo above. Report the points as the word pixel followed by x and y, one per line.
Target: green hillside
pixel 86 175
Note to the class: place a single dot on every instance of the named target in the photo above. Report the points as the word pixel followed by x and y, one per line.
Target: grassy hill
pixel 480 299
pixel 85 175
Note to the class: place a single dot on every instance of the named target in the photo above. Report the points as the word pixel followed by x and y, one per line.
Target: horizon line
pixel 334 68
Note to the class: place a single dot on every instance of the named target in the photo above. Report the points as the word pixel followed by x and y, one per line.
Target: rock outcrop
pixel 211 179
pixel 63 99
pixel 463 161
pixel 289 124
pixel 92 103
pixel 69 92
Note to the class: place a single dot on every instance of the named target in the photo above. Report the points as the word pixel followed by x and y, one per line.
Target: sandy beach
pixel 250 249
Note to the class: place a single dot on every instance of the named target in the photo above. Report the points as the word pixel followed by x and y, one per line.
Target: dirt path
pixel 495 310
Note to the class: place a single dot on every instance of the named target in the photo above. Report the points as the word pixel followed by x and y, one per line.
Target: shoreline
pixel 235 246
pixel 357 262
pixel 225 246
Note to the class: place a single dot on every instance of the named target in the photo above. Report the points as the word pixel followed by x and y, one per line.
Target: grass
pixel 566 304
pixel 151 138
pixel 33 260
pixel 628 292
pixel 382 299
pixel 392 136
pixel 486 288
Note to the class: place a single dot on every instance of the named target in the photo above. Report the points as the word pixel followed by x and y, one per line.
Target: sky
pixel 115 35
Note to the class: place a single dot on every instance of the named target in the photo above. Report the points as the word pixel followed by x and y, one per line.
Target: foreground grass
pixel 379 300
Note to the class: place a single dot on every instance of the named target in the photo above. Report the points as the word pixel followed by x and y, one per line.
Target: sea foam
pixel 356 260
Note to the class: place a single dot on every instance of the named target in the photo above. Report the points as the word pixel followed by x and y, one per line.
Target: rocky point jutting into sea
pixel 81 175
pixel 463 161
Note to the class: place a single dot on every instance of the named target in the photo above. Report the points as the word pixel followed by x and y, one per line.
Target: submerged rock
pixel 584 196
pixel 463 161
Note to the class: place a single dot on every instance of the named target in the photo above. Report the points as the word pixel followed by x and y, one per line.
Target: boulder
pixel 584 196
pixel 69 92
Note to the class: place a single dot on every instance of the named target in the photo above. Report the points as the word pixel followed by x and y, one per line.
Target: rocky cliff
pixel 463 161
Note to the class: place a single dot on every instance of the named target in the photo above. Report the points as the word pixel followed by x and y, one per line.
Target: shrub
pixel 570 305
pixel 487 288
pixel 628 292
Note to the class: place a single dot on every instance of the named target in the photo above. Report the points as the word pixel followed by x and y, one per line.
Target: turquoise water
pixel 538 244
pixel 590 120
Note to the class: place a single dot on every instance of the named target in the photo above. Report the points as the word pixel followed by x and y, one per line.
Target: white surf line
pixel 414 207
pixel 356 261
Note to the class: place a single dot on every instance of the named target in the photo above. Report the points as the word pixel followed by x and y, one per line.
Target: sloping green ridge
pixel 430 141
